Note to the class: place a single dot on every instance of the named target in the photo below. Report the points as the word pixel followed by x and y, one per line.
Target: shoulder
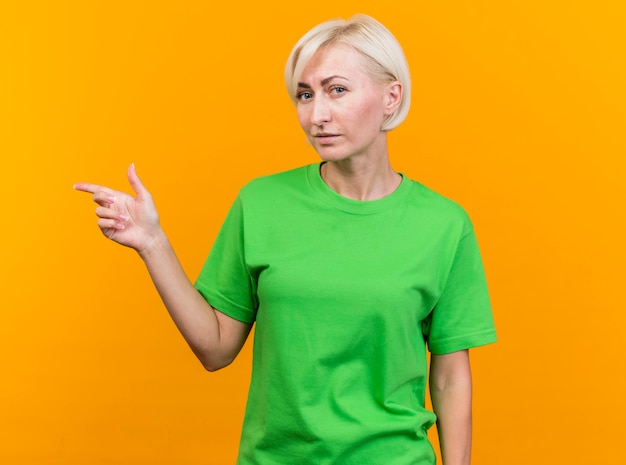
pixel 438 209
pixel 274 184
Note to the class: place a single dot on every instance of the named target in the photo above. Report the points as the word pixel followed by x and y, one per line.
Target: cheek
pixel 367 111
pixel 302 117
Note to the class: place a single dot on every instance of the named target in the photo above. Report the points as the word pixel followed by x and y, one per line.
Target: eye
pixel 304 95
pixel 338 90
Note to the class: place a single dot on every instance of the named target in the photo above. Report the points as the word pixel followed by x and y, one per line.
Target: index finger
pixel 91 188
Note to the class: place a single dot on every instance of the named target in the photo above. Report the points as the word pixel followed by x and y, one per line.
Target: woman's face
pixel 341 107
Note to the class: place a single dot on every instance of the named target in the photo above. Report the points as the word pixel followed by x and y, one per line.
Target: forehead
pixel 334 60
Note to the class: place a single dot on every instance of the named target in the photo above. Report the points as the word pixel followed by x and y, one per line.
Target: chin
pixel 332 155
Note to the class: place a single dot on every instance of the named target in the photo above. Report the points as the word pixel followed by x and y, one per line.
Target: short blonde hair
pixel 385 58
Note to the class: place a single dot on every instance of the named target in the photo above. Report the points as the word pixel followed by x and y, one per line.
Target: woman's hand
pixel 127 220
pixel 133 221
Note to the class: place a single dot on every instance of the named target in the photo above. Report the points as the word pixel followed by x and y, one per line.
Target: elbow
pixel 213 363
pixel 211 367
pixel 442 385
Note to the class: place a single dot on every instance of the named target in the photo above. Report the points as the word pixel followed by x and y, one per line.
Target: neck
pixel 361 179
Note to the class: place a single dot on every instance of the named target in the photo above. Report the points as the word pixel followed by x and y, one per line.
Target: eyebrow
pixel 325 81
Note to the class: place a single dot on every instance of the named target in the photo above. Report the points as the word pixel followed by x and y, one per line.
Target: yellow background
pixel 519 113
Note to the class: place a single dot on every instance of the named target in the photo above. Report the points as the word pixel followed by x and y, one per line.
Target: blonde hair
pixel 385 58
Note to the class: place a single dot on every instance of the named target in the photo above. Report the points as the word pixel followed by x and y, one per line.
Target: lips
pixel 326 138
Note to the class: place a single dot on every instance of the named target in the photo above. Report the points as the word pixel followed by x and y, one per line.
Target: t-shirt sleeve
pixel 462 317
pixel 225 281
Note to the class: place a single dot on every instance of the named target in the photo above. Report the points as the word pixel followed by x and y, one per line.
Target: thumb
pixel 135 182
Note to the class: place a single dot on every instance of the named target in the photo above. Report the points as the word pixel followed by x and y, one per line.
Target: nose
pixel 320 113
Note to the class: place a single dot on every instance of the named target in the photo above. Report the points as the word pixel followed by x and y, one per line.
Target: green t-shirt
pixel 346 296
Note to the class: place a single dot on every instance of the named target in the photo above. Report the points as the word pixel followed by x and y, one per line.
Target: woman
pixel 349 269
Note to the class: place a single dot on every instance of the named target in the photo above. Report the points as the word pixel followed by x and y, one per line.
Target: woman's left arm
pixel 451 395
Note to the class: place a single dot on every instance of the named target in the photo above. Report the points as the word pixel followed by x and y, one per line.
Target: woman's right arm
pixel 214 337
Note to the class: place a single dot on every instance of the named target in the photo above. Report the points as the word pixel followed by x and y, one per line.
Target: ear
pixel 393 97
